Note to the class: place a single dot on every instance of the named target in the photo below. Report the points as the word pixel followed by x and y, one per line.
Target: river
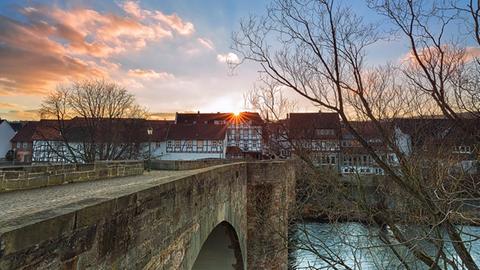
pixel 357 247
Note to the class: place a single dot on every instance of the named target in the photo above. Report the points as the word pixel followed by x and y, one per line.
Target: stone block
pixel 28 236
pixel 15 184
pixel 13 175
pixel 56 179
pixel 85 167
pixel 71 177
pixel 36 182
pixel 90 215
pixel 37 169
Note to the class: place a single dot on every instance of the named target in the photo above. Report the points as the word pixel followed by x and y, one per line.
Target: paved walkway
pixel 20 203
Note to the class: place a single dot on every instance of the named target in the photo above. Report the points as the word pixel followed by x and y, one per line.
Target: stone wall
pixel 36 176
pixel 161 226
pixel 180 165
pixel 271 198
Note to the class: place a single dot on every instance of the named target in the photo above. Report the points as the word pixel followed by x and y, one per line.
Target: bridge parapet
pixel 27 177
pixel 161 223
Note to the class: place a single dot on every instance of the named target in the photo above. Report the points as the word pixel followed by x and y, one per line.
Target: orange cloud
pixel 12 111
pixel 13 115
pixel 51 45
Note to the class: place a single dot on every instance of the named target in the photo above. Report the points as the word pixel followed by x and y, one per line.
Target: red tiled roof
pixel 366 129
pixel 437 130
pixel 210 118
pixel 304 125
pixel 196 132
pixel 160 129
pixel 26 133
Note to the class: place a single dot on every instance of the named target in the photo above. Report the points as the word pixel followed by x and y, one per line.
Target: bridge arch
pixel 221 250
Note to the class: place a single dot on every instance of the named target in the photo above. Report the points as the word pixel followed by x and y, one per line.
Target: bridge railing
pixel 28 177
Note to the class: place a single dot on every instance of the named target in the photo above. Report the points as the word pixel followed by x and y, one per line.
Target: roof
pixel 26 133
pixel 210 118
pixel 16 126
pixel 197 132
pixel 366 129
pixel 106 130
pixel 160 129
pixel 435 130
pixel 304 125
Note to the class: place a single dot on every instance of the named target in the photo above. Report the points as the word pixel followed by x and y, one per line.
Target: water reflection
pixel 357 246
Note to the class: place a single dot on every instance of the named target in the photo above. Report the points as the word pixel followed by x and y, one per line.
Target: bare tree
pixel 94 120
pixel 318 50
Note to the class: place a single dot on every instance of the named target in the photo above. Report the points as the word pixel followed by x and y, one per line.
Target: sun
pixel 236 113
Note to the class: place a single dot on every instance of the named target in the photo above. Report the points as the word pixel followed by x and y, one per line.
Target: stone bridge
pixel 231 216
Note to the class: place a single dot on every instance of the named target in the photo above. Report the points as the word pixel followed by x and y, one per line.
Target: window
pixel 464 149
pixel 169 146
pixel 324 132
pixel 177 146
pixel 189 146
pixel 19 145
pixel 199 146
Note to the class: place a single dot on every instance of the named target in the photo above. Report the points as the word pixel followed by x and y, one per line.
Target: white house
pixel 192 142
pixel 244 130
pixel 7 132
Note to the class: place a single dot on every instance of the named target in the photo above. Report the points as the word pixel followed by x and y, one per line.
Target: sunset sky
pixel 171 54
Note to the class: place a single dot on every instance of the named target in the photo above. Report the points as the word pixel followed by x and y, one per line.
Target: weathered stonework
pixel 180 165
pixel 271 189
pixel 28 177
pixel 160 226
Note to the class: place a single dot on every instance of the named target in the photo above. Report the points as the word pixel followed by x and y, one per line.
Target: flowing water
pixel 357 246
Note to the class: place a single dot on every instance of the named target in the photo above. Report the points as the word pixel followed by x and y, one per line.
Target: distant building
pixel 317 135
pixel 79 139
pixel 277 143
pixel 356 159
pixel 7 132
pixel 440 139
pixel 22 142
pixel 244 131
pixel 194 141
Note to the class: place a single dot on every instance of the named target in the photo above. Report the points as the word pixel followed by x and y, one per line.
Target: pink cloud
pixel 132 8
pixel 175 22
pixel 452 54
pixel 207 43
pixel 472 53
pixel 52 44
pixel 150 74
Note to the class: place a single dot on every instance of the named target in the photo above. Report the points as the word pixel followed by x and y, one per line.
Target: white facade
pixel 245 136
pixel 6 134
pixel 54 151
pixel 189 149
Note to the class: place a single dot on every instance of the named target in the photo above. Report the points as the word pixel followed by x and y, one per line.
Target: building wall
pixel 162 151
pixel 246 137
pixel 6 134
